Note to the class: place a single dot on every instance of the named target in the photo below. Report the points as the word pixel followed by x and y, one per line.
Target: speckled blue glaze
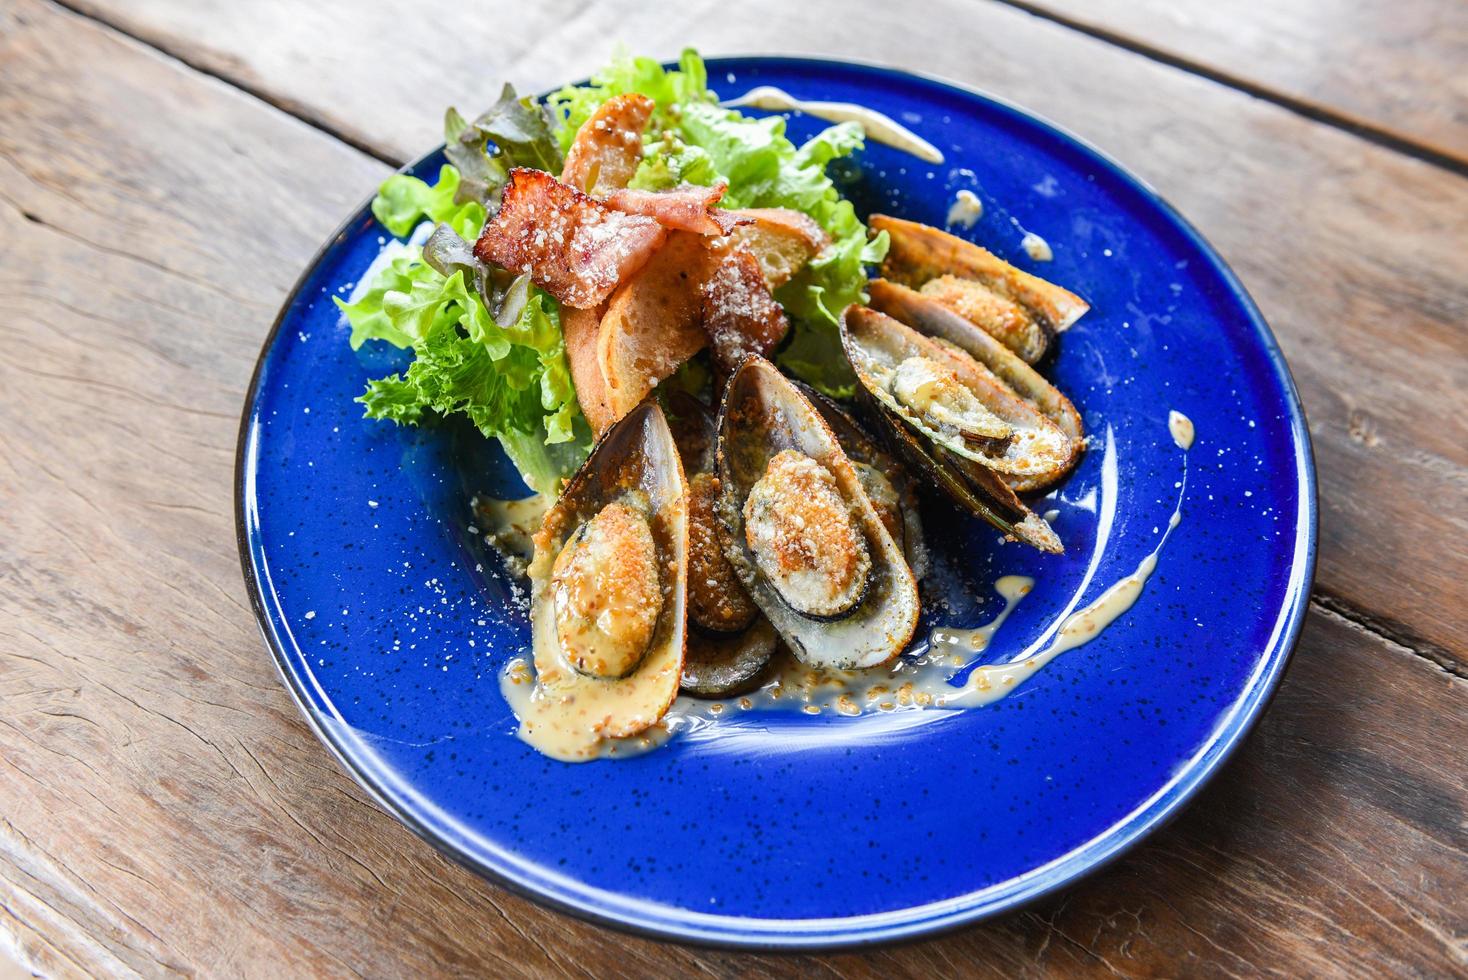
pixel 389 619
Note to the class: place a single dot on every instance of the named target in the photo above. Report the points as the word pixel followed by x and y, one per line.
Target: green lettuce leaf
pixel 672 91
pixel 403 201
pixel 513 382
pixel 668 162
pixel 510 378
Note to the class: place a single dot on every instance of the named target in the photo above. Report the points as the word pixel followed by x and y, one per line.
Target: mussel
pixel 609 584
pixel 1020 310
pixel 981 477
pixel 801 532
pixel 729 640
pixel 939 323
pixel 976 489
pixel 889 486
pixel 953 399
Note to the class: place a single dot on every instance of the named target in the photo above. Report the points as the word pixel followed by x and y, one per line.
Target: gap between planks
pixel 1317 112
pixel 1328 604
pixel 1392 633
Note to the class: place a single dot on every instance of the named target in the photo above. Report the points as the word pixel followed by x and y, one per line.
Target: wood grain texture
pixel 1393 66
pixel 164 810
pixel 1353 252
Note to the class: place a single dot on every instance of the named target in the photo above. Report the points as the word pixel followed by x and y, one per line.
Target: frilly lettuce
pixel 512 382
pixel 403 201
pixel 509 377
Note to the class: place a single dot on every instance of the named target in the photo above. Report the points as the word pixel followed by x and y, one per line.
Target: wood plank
pixel 1353 251
pixel 162 807
pixel 1390 66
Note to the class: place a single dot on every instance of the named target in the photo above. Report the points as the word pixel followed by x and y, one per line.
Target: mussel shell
pixel 694 429
pixel 875 343
pixel 637 453
pixel 918 253
pixel 974 488
pixel 762 414
pixel 718 666
pixel 861 447
pixel 937 321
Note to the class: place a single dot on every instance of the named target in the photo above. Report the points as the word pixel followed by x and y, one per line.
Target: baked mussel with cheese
pixel 888 485
pixel 609 585
pixel 801 532
pixel 921 421
pixel 1000 368
pixel 1016 308
pixel 953 399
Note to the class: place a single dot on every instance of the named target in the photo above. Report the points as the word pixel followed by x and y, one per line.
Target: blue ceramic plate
pixel 389 619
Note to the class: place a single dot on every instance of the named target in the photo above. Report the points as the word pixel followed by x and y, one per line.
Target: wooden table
pixel 166 168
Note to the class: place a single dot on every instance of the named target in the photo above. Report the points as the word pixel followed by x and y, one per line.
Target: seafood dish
pixel 726 390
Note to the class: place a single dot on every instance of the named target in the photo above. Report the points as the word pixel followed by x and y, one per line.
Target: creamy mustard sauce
pixel 883 129
pixel 991 682
pixel 552 726
pixel 1036 247
pixel 509 525
pixel 1012 588
pixel 1181 428
pixel 965 210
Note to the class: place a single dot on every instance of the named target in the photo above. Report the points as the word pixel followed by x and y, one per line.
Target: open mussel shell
pixel 881 475
pixel 934 320
pixel 763 415
pixel 974 488
pixel 729 640
pixel 1020 310
pixel 633 475
pixel 878 346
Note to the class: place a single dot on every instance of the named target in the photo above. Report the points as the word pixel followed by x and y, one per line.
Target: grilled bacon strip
pixel 687 207
pixel 574 246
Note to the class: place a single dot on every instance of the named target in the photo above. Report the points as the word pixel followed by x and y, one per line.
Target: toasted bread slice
pixel 581 328
pixel 740 316
pixel 608 146
pixel 781 239
pixel 653 322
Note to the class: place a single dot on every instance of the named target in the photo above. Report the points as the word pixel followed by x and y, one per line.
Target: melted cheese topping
pixel 607 593
pixel 803 537
pixel 934 391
